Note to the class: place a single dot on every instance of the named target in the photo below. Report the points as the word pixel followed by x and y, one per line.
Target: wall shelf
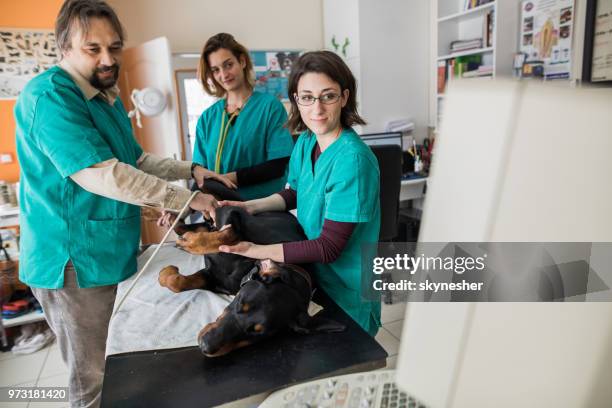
pixel 467 52
pixel 465 13
pixel 496 24
pixel 34 316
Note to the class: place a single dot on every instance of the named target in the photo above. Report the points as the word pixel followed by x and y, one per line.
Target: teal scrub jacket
pixel 256 136
pixel 344 186
pixel 59 132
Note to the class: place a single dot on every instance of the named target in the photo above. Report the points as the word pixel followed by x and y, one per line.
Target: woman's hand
pixel 233 177
pixel 248 206
pixel 200 174
pixel 243 248
pixel 166 219
pixel 255 251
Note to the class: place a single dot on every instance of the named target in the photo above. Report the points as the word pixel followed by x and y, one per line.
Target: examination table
pixel 153 359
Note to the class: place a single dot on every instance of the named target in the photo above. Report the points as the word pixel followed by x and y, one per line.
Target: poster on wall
pixel 24 54
pixel 601 70
pixel 272 70
pixel 546 35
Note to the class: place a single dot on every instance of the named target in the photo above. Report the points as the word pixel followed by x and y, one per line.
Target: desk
pixel 413 189
pixel 185 378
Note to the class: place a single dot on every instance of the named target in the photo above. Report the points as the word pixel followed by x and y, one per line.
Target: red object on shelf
pixel 441 77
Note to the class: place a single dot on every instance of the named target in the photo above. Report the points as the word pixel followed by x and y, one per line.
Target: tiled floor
pixel 391 331
pixel 45 368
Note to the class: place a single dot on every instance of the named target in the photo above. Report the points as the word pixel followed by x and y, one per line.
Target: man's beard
pixel 103 84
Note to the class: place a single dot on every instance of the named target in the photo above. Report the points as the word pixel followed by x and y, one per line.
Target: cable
pixel 146 265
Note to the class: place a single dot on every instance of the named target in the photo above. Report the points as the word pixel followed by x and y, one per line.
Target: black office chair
pixel 390 164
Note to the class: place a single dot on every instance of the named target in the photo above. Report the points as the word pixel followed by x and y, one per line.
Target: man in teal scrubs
pixel 81 174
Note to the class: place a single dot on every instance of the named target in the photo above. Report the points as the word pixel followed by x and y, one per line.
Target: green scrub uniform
pixel 344 187
pixel 255 136
pixel 60 132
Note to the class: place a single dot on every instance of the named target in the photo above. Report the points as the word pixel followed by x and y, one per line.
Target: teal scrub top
pixel 59 132
pixel 256 136
pixel 343 186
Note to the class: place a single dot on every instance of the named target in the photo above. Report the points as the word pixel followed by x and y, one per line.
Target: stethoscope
pixel 223 131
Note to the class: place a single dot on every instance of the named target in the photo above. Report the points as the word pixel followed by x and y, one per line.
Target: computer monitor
pixel 385 138
pixel 518 162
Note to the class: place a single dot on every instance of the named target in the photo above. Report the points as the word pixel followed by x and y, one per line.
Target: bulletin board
pixel 546 35
pixel 272 69
pixel 597 63
pixel 24 53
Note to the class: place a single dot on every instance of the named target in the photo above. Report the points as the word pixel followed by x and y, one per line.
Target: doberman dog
pixel 270 297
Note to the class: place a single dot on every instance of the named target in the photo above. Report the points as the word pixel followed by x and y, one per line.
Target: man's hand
pixel 206 204
pixel 166 219
pixel 200 174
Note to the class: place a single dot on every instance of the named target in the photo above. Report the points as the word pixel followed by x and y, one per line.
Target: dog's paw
pixel 202 243
pixel 170 278
pixel 196 243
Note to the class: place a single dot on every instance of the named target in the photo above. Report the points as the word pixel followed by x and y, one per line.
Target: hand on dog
pixel 206 204
pixel 255 251
pixel 244 248
pixel 200 174
pixel 247 205
pixel 166 219
pixel 233 177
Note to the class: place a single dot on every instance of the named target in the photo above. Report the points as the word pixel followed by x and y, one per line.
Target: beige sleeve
pixel 122 182
pixel 167 169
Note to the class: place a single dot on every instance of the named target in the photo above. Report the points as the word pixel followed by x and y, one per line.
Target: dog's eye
pixel 244 308
pixel 256 328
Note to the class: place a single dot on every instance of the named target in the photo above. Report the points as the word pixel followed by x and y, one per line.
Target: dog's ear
pixel 291 277
pixel 268 278
pixel 316 324
pixel 231 215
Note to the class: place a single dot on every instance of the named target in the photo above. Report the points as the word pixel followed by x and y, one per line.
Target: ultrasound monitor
pixel 517 162
pixel 385 138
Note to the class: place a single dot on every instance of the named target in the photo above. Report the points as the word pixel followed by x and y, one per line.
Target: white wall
pixel 341 23
pixel 257 24
pixel 391 44
pixel 394 43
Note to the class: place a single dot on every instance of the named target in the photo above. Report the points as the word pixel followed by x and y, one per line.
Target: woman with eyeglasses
pixel 240 136
pixel 333 182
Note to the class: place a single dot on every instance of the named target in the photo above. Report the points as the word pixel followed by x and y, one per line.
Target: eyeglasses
pixel 308 100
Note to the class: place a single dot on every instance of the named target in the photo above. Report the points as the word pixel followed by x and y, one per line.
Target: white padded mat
pixel 153 317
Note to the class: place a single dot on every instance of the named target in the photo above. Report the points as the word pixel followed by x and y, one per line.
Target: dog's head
pixel 273 298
